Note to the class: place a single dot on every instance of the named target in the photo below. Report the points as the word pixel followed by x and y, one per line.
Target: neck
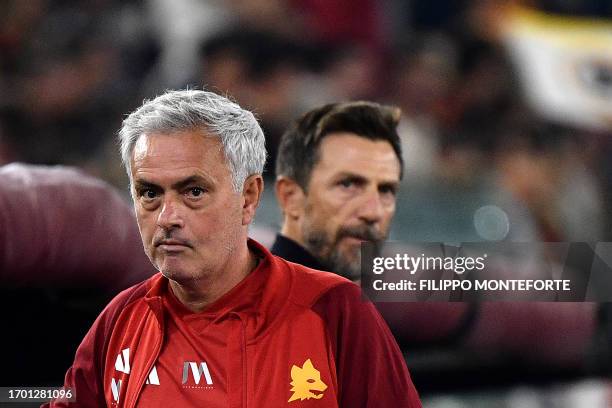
pixel 293 232
pixel 197 294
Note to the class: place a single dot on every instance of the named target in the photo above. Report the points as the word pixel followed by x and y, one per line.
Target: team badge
pixel 306 382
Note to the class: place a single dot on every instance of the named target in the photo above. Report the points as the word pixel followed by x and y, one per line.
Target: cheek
pixel 219 224
pixel 325 209
pixel 316 220
pixel 145 222
pixel 348 212
pixel 388 217
pixel 147 225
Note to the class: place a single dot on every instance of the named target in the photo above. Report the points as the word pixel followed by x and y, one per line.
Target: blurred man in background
pixel 338 171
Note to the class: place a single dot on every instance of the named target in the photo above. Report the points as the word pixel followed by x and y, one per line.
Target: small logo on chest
pixel 198 373
pixel 306 382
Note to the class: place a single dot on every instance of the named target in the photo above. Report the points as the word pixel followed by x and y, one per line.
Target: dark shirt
pixel 396 314
pixel 294 252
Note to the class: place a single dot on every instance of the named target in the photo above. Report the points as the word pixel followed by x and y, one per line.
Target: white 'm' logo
pixel 197 372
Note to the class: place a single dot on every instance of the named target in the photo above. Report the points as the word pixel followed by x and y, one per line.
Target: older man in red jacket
pixel 225 323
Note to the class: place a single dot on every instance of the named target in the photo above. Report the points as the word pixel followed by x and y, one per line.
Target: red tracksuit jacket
pixel 286 336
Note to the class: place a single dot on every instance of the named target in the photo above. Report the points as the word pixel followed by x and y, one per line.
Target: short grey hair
pixel 240 134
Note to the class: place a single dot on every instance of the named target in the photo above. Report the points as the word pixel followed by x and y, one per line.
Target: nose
pixel 371 209
pixel 169 216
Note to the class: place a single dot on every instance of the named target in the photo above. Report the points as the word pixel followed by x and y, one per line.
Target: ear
pixel 290 197
pixel 251 194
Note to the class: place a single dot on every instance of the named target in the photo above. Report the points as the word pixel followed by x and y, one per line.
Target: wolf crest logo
pixel 306 382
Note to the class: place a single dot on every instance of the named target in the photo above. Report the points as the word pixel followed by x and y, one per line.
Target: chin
pixel 351 255
pixel 174 271
pixel 350 248
pixel 177 275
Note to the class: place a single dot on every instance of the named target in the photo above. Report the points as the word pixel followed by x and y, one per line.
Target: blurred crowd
pixel 69 71
pixel 481 162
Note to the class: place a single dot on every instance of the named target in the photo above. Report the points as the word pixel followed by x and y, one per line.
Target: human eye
pixel 195 192
pixel 348 183
pixel 147 194
pixel 388 189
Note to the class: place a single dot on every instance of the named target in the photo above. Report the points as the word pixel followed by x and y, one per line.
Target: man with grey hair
pixel 225 322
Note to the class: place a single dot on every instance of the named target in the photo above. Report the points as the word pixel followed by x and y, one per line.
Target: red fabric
pixel 282 320
pixel 370 366
pixel 86 374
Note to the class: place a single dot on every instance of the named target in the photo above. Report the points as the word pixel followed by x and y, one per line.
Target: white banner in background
pixel 564 64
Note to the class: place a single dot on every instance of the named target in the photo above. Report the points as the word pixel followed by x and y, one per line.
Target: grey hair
pixel 240 134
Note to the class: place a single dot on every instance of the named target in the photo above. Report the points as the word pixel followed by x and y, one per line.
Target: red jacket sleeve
pixel 86 374
pixel 371 369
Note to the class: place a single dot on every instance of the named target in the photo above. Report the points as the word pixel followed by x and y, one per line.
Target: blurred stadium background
pixel 507 132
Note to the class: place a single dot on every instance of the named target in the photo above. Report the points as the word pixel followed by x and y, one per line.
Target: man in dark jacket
pixel 338 169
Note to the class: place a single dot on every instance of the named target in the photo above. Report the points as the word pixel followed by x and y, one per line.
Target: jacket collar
pixel 294 252
pixel 257 299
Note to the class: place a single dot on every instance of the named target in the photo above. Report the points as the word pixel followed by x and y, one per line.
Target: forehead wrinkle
pixel 172 150
pixel 179 156
pixel 336 147
pixel 156 155
pixel 381 167
pixel 153 144
pixel 174 179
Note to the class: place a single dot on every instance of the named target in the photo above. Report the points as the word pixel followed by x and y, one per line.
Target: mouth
pixel 172 245
pixel 172 248
pixel 351 239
